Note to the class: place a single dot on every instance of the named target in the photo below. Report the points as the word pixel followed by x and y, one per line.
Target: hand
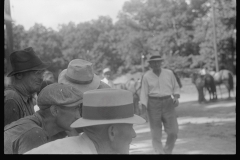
pixel 175 102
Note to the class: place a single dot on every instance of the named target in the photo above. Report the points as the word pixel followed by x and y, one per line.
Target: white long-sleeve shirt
pixel 154 86
pixel 70 145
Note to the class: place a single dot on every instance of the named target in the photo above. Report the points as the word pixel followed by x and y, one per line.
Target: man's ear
pixel 54 110
pixel 112 132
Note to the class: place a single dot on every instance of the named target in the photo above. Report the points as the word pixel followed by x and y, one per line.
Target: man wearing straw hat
pixel 107 121
pixel 80 74
pixel 160 93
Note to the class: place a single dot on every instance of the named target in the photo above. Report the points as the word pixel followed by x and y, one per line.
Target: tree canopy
pixel 181 31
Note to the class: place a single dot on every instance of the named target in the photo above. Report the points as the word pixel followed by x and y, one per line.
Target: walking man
pixel 26 78
pixel 107 121
pixel 59 107
pixel 160 93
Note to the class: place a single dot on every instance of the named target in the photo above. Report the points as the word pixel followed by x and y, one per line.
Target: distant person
pixel 131 85
pixel 106 79
pixel 27 76
pixel 107 121
pixel 159 94
pixel 59 106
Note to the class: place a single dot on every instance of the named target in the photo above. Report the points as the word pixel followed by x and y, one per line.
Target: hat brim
pixel 82 87
pixel 81 122
pixel 39 67
pixel 157 59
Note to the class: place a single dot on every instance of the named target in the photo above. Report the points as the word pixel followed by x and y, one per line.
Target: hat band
pixel 108 113
pixel 77 81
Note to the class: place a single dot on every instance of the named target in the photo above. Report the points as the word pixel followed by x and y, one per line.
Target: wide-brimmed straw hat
pixel 25 60
pixel 155 58
pixel 80 74
pixel 107 106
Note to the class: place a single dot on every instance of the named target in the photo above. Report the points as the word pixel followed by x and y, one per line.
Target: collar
pixel 23 94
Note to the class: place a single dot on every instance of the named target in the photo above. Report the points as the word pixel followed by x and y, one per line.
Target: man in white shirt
pixel 106 79
pixel 107 122
pixel 159 93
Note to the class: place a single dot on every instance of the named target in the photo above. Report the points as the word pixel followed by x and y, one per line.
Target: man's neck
pixel 49 125
pixel 22 88
pixel 102 146
pixel 157 72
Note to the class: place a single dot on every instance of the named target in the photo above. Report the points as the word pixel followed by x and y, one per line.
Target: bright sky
pixel 50 13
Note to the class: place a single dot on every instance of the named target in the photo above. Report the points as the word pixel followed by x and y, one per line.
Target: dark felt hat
pixel 155 58
pixel 25 60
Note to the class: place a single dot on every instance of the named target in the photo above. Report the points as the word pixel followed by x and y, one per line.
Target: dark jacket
pixel 25 134
pixel 16 105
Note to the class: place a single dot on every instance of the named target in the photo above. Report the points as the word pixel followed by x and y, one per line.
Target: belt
pixel 160 98
pixel 165 97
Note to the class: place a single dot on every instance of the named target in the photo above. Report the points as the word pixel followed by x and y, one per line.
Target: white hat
pixel 107 106
pixel 106 70
pixel 80 74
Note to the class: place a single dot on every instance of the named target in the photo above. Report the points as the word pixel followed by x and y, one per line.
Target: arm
pixel 144 92
pixel 11 111
pixel 31 139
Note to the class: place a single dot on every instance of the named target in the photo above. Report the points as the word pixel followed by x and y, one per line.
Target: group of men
pixel 80 114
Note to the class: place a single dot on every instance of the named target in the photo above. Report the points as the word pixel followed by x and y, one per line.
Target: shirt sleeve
pixel 144 92
pixel 31 139
pixel 11 111
pixel 176 88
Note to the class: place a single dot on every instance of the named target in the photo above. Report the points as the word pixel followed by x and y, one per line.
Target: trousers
pixel 162 112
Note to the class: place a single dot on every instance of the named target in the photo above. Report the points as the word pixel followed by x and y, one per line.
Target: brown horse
pixel 204 81
pixel 224 77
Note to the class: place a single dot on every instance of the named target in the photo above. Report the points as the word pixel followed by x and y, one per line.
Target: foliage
pixel 181 32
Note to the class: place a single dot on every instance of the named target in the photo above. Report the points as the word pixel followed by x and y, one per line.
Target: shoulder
pixel 148 73
pixel 34 135
pixel 10 93
pixel 59 146
pixel 103 85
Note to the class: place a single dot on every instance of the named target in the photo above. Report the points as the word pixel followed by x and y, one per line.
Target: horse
pixel 225 77
pixel 204 81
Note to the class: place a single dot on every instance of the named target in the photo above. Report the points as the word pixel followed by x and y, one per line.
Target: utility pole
pixel 214 37
pixel 8 23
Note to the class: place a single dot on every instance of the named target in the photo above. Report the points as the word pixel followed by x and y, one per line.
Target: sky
pixel 50 13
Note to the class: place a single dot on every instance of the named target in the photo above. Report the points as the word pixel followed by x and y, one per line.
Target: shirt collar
pixel 23 94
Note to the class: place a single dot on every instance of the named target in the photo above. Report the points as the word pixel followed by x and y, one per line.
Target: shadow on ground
pixel 203 129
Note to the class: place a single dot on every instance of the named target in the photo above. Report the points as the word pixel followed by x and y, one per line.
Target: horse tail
pixel 230 81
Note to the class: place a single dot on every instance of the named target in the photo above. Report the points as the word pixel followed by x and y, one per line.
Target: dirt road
pixel 203 128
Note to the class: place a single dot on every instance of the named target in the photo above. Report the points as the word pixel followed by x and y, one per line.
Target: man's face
pixel 33 79
pixel 67 115
pixel 123 138
pixel 155 65
pixel 107 74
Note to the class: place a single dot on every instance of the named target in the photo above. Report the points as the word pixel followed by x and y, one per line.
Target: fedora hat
pixel 155 58
pixel 80 74
pixel 107 106
pixel 25 60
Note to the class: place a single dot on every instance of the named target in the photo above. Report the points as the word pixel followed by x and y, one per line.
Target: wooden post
pixel 214 37
pixel 9 34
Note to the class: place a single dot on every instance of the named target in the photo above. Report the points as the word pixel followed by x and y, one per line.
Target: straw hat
pixel 80 74
pixel 107 106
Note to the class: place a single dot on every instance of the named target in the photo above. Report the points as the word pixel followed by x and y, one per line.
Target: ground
pixel 208 128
